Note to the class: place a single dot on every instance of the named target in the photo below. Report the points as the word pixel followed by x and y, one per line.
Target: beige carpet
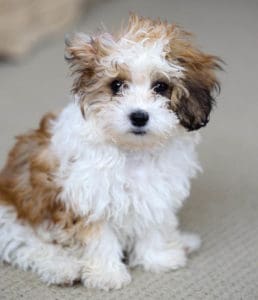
pixel 223 206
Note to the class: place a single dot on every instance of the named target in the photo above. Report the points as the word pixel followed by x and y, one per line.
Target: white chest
pixel 133 190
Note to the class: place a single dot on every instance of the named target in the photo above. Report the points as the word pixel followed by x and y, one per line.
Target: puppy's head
pixel 143 84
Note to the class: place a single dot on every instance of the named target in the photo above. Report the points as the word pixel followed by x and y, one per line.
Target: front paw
pixel 162 261
pixel 63 271
pixel 106 277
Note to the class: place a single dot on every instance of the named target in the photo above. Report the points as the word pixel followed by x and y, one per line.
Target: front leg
pixel 159 251
pixel 103 267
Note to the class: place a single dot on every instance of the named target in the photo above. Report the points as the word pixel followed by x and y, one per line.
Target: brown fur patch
pixel 142 28
pixel 27 183
pixel 194 106
pixel 26 180
pixel 83 53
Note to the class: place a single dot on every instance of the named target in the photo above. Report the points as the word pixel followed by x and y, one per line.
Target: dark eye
pixel 160 87
pixel 116 86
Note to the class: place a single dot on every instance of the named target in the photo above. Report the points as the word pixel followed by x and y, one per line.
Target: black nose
pixel 139 118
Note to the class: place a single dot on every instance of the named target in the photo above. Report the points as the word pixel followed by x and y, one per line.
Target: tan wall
pixel 24 22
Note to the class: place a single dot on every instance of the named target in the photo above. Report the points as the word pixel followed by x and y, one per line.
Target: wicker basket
pixel 24 22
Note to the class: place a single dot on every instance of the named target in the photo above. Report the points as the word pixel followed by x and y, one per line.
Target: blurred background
pixel 223 205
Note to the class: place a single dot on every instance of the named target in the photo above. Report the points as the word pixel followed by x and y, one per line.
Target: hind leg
pixel 161 252
pixel 20 247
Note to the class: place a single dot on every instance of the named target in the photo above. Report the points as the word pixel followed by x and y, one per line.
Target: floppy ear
pixel 199 83
pixel 81 56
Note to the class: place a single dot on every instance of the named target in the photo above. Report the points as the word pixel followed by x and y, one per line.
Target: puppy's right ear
pixel 81 56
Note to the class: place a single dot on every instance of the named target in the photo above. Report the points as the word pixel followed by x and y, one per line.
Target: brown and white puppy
pixel 109 173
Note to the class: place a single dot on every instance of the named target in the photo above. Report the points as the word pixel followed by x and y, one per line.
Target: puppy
pixel 108 174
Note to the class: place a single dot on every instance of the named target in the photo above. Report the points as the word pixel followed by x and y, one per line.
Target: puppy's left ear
pixel 199 83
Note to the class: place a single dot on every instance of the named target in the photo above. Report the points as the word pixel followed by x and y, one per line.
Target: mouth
pixel 138 132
